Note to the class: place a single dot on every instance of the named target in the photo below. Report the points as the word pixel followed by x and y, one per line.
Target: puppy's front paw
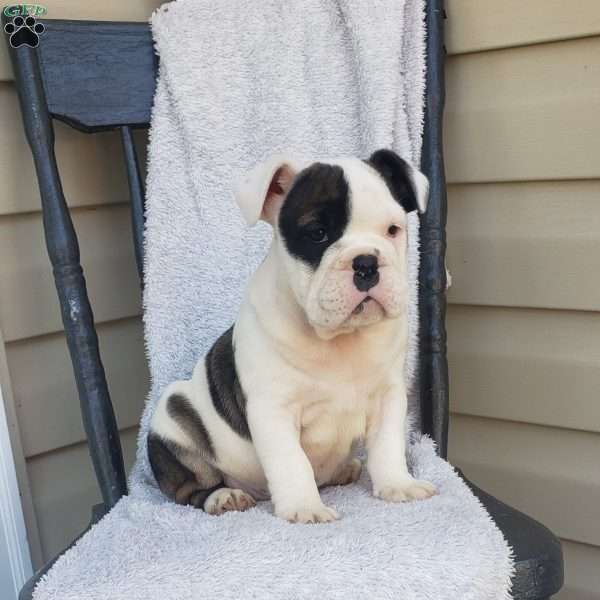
pixel 405 491
pixel 316 514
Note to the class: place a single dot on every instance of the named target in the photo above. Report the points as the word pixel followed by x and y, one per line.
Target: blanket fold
pixel 239 81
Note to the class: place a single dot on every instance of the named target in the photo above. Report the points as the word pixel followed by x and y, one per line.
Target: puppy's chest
pixel 338 402
pixel 330 423
pixel 338 411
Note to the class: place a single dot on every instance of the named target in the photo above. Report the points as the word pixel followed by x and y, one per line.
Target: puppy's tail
pixel 174 479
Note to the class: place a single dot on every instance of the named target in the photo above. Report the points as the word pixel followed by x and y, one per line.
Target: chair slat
pixel 136 193
pixel 98 75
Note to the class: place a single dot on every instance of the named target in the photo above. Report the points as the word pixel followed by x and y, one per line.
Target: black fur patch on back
pixel 224 385
pixel 395 172
pixel 180 409
pixel 174 479
pixel 318 199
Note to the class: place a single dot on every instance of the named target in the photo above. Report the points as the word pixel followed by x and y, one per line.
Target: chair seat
pixel 537 551
pixel 145 541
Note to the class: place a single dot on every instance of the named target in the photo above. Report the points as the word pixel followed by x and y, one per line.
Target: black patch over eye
pixel 315 212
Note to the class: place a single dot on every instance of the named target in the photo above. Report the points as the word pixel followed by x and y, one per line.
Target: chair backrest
pixel 96 76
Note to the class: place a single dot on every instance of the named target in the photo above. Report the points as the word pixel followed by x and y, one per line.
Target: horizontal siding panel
pixel 531 244
pixel 91 166
pixel 475 25
pixel 29 304
pixel 524 113
pixel 48 405
pixel 64 490
pixel 551 474
pixel 533 366
pixel 107 10
pixel 582 572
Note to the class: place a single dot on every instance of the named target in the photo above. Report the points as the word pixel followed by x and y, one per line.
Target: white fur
pixel 316 374
pixel 252 192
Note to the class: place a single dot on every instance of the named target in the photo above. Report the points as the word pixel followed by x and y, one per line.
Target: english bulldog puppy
pixel 315 360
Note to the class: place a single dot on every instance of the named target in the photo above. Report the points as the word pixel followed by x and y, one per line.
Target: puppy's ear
pixel 402 179
pixel 260 194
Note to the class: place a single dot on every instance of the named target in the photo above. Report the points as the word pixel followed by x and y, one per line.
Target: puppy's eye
pixel 394 230
pixel 317 234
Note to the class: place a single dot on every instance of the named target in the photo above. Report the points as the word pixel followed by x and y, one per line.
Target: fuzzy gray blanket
pixel 238 81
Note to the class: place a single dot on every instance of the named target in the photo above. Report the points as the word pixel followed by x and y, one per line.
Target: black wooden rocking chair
pixel 96 76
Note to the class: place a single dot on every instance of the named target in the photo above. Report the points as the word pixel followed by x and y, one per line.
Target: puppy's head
pixel 340 233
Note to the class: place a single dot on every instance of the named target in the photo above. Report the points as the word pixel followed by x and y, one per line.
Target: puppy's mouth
pixel 361 305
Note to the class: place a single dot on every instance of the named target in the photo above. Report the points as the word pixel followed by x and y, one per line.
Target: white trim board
pixel 15 559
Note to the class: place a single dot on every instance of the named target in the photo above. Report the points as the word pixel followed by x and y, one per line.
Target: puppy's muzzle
pixel 366 272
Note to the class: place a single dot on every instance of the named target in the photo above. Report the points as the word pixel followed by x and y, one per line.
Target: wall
pixel 55 474
pixel 522 156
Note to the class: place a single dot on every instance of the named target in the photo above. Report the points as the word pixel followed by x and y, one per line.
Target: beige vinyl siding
pixel 527 365
pixel 475 25
pixel 548 266
pixel 56 477
pixel 553 475
pixel 56 422
pixel 63 501
pixel 83 186
pixel 522 146
pixel 581 571
pixel 30 306
pixel 524 113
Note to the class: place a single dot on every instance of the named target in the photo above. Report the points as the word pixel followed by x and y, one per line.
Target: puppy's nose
pixel 366 274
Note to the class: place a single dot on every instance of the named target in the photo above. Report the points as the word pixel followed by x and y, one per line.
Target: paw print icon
pixel 24 32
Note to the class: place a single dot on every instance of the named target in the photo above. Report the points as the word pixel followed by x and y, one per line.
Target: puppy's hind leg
pixel 228 499
pixel 175 479
pixel 203 489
